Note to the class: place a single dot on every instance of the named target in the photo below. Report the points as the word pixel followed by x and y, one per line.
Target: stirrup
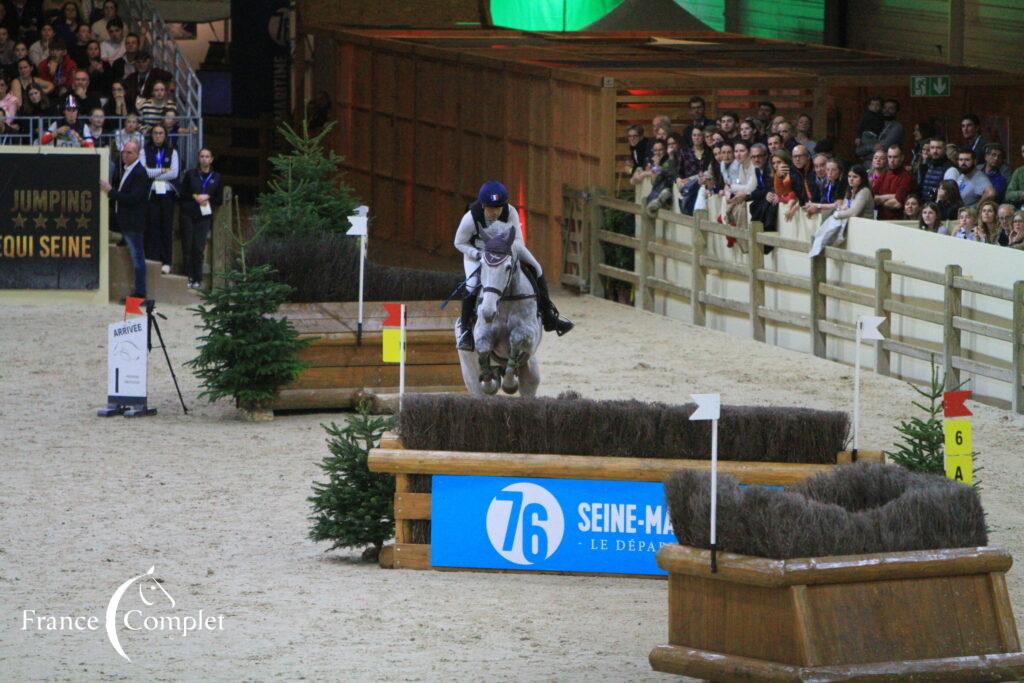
pixel 465 341
pixel 563 326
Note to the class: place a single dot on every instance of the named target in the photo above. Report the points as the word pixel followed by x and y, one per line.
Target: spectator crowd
pixel 72 75
pixel 962 187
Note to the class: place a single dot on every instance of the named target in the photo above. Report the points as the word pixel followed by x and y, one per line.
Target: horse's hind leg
pixel 529 377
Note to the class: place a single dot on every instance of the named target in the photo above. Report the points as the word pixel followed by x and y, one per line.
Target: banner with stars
pixel 50 221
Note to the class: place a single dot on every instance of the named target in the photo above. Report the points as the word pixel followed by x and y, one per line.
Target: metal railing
pixel 144 20
pixel 32 128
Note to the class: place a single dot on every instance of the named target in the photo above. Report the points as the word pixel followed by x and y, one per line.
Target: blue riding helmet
pixel 492 193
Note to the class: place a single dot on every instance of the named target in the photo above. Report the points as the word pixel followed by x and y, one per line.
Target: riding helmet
pixel 493 193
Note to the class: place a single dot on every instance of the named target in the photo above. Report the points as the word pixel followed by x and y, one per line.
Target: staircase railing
pixel 144 20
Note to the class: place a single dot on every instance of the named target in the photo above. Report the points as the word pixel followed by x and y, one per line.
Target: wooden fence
pixel 585 213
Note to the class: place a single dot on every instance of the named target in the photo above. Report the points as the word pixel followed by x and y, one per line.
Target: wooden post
pixel 756 285
pixel 883 291
pixel 643 264
pixel 591 225
pixel 818 310
pixel 950 334
pixel 698 279
pixel 402 527
pixel 955 31
pixel 222 248
pixel 1017 346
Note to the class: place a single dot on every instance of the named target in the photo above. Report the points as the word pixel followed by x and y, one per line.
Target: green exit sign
pixel 929 86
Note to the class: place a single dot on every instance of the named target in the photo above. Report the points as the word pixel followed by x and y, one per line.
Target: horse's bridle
pixel 492 260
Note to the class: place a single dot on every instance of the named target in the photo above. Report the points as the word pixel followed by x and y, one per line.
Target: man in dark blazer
pixel 132 198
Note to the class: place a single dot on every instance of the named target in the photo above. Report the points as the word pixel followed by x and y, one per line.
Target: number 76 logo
pixel 525 523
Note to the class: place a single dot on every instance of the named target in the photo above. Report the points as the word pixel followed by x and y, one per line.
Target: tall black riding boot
pixel 466 322
pixel 549 315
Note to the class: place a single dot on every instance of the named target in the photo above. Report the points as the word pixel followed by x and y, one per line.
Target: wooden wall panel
pixel 802 20
pixel 993 33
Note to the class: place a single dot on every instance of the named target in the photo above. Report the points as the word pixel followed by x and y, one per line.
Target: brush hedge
pixel 325 267
pixel 618 428
pixel 850 510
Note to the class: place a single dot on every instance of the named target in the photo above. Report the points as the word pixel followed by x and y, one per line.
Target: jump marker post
pixel 709 407
pixel 358 222
pixel 393 334
pixel 867 328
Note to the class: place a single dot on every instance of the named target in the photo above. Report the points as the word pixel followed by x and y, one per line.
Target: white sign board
pixel 126 360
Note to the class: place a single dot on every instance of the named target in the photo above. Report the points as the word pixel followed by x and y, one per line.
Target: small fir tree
pixel 923 442
pixel 307 194
pixel 354 508
pixel 246 353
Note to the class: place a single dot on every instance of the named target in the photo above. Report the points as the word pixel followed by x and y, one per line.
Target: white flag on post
pixel 358 228
pixel 709 407
pixel 869 327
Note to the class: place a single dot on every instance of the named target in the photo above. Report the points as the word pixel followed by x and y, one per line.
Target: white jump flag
pixel 358 229
pixel 867 329
pixel 709 407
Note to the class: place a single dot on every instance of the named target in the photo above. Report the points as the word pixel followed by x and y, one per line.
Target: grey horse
pixel 507 331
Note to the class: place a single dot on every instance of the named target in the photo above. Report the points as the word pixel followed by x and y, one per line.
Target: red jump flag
pixel 132 305
pixel 953 404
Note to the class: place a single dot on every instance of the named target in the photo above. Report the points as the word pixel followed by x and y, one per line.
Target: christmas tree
pixel 354 507
pixel 246 353
pixel 306 194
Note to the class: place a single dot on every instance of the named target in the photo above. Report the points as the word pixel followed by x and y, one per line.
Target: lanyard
pixel 828 195
pixel 205 181
pixel 160 157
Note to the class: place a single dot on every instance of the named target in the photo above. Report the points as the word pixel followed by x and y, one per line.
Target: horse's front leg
pixel 521 343
pixel 489 375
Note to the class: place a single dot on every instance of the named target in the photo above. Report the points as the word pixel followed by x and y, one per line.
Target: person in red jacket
pixel 58 68
pixel 893 186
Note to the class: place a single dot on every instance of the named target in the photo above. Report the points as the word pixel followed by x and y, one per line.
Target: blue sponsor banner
pixel 548 524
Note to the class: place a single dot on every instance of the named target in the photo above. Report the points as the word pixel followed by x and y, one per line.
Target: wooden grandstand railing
pixel 947 313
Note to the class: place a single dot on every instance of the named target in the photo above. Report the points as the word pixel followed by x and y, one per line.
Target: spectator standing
pixel 774 143
pixel 88 99
pixel 656 160
pixel 891 134
pixel 967 220
pixel 95 128
pixel 9 105
pixel 100 27
pixel 890 190
pixel 131 204
pixel 879 165
pixel 146 76
pixel 923 133
pixel 765 114
pixel 764 202
pixel 202 191
pixel 727 125
pixel 912 208
pixel 151 110
pixel 974 185
pixel 125 66
pixel 162 166
pixel 804 131
pixel 930 218
pixel 870 126
pixel 129 133
pixel 995 169
pixel 78 44
pixel 638 148
pixel 788 136
pixel 970 128
pixel 113 46
pixel 820 174
pixel 948 199
pixel 802 172
pixel 99 71
pixel 58 68
pixel 1015 188
pixel 932 169
pixel 831 192
pixel 697 120
pixel 749 133
pixel 20 53
pixel 784 182
pixel 39 52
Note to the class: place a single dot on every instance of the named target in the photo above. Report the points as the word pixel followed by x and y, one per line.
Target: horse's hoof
pixel 510 388
pixel 490 387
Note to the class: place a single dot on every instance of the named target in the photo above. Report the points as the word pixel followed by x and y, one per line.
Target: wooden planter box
pixel 927 615
pixel 413 469
pixel 339 367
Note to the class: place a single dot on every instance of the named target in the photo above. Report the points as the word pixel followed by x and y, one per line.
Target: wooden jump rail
pixel 413 504
pixel 950 316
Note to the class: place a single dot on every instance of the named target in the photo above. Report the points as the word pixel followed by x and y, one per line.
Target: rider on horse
pixel 490 215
